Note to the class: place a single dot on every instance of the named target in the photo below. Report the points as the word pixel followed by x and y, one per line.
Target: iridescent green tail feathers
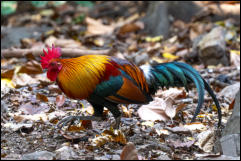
pixel 177 74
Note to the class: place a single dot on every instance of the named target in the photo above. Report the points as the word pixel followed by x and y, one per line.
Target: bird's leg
pixel 98 110
pixel 117 122
pixel 116 112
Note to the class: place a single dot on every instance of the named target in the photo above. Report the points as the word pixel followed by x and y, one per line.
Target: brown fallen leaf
pixel 95 27
pixel 42 97
pixel 129 152
pixel 7 74
pixel 131 27
pixel 32 67
pixel 180 107
pixel 231 105
pixel 87 124
pixel 18 118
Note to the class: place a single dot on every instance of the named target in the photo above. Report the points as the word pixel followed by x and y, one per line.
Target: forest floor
pixel 31 105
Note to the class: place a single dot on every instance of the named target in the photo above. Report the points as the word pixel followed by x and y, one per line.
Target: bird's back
pixel 113 79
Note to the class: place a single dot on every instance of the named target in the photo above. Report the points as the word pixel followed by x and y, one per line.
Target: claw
pixel 71 119
pixel 66 120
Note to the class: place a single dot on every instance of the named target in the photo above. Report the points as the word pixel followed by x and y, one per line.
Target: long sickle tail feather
pixel 210 91
pixel 180 74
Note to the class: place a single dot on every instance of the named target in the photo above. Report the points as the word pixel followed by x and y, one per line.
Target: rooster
pixel 106 81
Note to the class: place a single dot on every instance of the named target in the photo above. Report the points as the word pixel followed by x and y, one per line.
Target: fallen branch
pixel 66 52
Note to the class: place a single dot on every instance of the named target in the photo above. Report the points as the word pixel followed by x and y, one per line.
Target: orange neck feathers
pixel 79 76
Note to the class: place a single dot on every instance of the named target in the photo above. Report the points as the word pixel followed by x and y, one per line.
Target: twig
pixel 66 52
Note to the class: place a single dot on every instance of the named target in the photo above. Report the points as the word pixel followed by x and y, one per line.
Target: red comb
pixel 51 54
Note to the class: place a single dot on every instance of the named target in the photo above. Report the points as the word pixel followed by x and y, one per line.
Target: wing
pixel 123 83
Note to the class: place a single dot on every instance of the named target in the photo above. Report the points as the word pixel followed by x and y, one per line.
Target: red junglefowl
pixel 106 81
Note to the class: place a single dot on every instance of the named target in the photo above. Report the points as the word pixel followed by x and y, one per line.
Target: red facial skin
pixel 53 70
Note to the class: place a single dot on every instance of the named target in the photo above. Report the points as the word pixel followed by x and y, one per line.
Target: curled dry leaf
pixel 170 109
pixel 158 109
pixel 155 110
pixel 129 152
pixel 60 99
pixel 206 140
pixel 101 140
pixel 109 135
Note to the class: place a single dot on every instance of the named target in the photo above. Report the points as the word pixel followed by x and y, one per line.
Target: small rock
pixel 65 153
pixel 163 157
pixel 212 47
pixel 4 107
pixel 141 59
pixel 230 91
pixel 39 155
pixel 115 157
pixel 231 134
pixel 231 145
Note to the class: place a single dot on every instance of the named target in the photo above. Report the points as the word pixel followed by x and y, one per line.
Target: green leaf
pixel 39 4
pixel 8 7
pixel 58 3
pixel 88 4
pixel 79 19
